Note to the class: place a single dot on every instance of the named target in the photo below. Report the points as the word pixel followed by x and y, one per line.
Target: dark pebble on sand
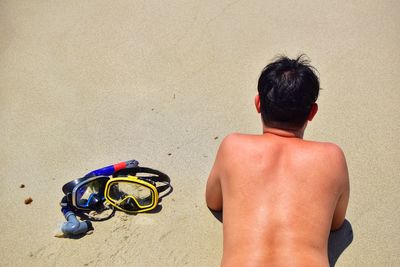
pixel 169 154
pixel 215 138
pixel 22 186
pixel 28 201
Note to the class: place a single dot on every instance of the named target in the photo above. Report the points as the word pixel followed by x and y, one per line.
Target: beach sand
pixel 85 84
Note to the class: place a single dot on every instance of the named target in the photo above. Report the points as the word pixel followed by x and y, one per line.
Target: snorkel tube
pixel 109 170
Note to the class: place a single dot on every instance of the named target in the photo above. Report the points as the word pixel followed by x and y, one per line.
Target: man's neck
pixel 284 132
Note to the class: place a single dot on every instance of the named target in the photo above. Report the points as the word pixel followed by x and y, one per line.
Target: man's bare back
pixel 280 197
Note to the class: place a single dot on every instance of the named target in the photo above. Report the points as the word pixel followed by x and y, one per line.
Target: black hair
pixel 287 89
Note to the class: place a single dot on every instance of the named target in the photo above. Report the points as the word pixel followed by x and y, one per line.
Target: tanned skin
pixel 280 196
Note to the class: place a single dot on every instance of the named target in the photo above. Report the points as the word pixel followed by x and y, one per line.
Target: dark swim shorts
pixel 338 241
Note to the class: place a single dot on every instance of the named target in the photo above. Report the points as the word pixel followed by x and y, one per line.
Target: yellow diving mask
pixel 136 189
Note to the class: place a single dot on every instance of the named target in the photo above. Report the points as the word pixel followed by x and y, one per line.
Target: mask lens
pixel 88 191
pixel 131 196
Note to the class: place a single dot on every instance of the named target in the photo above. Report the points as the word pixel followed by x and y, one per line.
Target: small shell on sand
pixel 28 201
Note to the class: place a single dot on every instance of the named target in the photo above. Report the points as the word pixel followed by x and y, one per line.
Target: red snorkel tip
pixel 119 166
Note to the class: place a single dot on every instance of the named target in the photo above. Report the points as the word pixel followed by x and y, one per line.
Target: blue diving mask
pixel 86 193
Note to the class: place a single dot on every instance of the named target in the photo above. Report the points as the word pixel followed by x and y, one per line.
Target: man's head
pixel 287 91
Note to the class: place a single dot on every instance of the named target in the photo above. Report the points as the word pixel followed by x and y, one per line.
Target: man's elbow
pixel 214 207
pixel 213 203
pixel 337 223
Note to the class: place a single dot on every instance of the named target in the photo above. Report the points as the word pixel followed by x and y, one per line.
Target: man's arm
pixel 341 206
pixel 213 189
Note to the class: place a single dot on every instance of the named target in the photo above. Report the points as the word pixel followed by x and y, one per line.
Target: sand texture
pixel 84 84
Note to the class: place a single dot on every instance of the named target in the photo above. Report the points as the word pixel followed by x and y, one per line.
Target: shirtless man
pixel 280 195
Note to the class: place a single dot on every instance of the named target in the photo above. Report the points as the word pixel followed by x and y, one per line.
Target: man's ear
pixel 257 103
pixel 313 111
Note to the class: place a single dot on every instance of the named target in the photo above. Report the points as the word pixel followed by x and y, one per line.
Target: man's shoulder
pixel 235 139
pixel 328 154
pixel 327 148
pixel 235 144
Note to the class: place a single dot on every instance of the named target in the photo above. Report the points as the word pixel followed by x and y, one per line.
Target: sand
pixel 84 84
